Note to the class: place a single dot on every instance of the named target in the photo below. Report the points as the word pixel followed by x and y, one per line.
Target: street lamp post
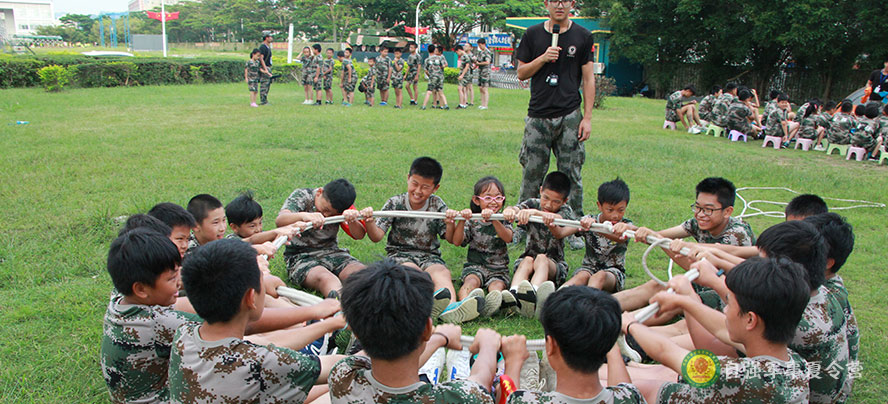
pixel 416 33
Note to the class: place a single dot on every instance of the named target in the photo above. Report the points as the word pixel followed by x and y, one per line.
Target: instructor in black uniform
pixel 265 79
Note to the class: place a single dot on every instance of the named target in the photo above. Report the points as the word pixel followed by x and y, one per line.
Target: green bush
pixel 451 75
pixel 19 72
pixel 54 77
pixel 604 86
pixel 109 74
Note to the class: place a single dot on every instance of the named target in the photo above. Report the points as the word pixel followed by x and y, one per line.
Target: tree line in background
pixel 748 41
pixel 314 20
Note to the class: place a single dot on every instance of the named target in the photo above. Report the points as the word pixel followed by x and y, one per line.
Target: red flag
pixel 169 16
pixel 412 30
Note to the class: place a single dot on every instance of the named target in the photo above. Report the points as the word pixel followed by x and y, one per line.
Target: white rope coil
pixel 748 204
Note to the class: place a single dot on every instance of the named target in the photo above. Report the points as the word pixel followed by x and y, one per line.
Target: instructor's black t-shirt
pixel 266 54
pixel 880 81
pixel 576 50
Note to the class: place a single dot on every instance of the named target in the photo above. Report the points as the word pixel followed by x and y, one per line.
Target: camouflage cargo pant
pixel 264 84
pixel 558 136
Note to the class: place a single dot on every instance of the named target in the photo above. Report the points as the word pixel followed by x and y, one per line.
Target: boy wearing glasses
pixel 712 223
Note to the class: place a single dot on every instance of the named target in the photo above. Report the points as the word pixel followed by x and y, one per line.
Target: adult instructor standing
pixel 557 56
pixel 265 79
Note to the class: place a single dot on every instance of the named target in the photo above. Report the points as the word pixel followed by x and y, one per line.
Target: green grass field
pixel 90 155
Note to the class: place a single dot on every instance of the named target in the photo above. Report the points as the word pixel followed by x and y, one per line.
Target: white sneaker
pixel 530 373
pixel 526 298
pixel 548 377
pixel 509 302
pixel 433 369
pixel 543 291
pixel 492 303
pixel 307 102
pixel 819 148
pixel 463 310
pixel 482 107
pixel 457 365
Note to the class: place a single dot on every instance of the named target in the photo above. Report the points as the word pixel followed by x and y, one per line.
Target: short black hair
pixel 349 50
pixel 774 94
pixel 431 48
pixel 201 205
pixel 483 184
pixel 398 50
pixel 775 289
pixel 254 51
pixel 730 86
pixel 388 306
pixel 383 48
pixel 340 54
pixel 482 41
pixel 799 241
pixel 330 50
pixel 140 255
pixel 316 47
pixel 340 193
pixel 839 236
pixel 173 215
pixel 613 192
pixel 142 220
pixel 243 209
pixel 411 43
pixel 691 88
pixel 830 105
pixel 744 95
pixel 782 97
pixel 371 58
pixel 847 106
pixel 427 167
pixel 724 190
pixel 859 110
pixel 714 90
pixel 806 205
pixel 557 181
pixel 216 277
pixel 872 110
pixel 266 36
pixel 584 322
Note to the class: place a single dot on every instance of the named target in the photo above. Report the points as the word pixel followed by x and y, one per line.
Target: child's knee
pixel 472 281
pixel 541 259
pixel 437 270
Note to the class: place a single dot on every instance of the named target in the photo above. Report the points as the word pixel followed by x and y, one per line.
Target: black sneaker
pixel 318 102
pixel 635 346
pixel 413 102
pixel 446 108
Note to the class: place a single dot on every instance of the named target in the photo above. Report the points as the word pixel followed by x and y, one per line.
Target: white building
pixel 23 17
pixel 147 5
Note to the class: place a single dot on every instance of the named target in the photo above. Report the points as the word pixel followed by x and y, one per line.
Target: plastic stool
pixel 858 152
pixel 776 140
pixel 736 134
pixel 824 142
pixel 805 143
pixel 883 155
pixel 668 125
pixel 715 130
pixel 842 148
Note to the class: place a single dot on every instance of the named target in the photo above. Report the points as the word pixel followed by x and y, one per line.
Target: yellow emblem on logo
pixel 700 368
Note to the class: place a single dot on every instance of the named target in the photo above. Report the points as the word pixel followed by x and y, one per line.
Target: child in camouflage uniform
pixel 244 216
pixel 869 130
pixel 604 265
pixel 541 268
pixel 720 109
pixel 178 219
pixel 483 60
pixel 211 362
pixel 368 83
pixel 314 259
pixel 308 73
pixel 778 119
pixel 741 116
pixel 389 308
pixel 210 217
pixel 765 300
pixel 383 75
pixel 140 319
pixel 414 242
pixel 842 122
pixel 473 58
pixel 583 325
pixel 349 77
pixel 328 65
pixel 317 80
pixel 464 81
pixel 487 262
pixel 677 111
pixel 251 75
pixel 434 68
pixel 398 78
pixel 413 63
pixel 708 103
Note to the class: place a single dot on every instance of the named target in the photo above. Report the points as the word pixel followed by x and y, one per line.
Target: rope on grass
pixel 748 205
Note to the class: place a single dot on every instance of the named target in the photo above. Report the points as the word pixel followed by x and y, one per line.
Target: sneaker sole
pixel 442 300
pixel 509 302
pixel 527 299
pixel 543 292
pixel 466 311
pixel 492 303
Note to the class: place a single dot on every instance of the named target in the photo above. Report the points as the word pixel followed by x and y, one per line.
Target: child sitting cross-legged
pixel 211 361
pixel 581 326
pixel 389 306
pixel 541 268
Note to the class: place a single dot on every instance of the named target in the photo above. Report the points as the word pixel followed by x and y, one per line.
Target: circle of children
pixel 385 73
pixel 733 111
pixel 778 319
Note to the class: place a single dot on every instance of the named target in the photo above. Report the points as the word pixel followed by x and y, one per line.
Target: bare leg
pixel 603 280
pixel 522 272
pixel 579 278
pixel 637 297
pixel 253 97
pixel 471 283
pixel 318 394
pixel 443 98
pixel 322 280
pixel 485 96
pixel 441 278
pixel 411 91
pixel 544 269
pixel 428 93
pixel 496 285
pixel 350 269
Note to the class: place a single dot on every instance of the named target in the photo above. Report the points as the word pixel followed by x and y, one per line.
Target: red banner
pixel 412 30
pixel 157 16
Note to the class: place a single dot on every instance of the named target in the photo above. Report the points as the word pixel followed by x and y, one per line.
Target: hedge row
pixel 86 71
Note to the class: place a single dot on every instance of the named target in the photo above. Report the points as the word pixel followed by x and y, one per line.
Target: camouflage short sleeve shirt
pixel 808 128
pixel 352 76
pixel 623 393
pixel 760 379
pixel 737 232
pixel 413 235
pixel 253 69
pixel 540 239
pixel 484 56
pixel 720 109
pixel 821 338
pixel 136 343
pixel 234 370
pixel 602 252
pixel 307 65
pixel 351 381
pixel 382 67
pixel 413 62
pixel 485 246
pixel 673 102
pixel 738 112
pixel 774 119
pixel 840 129
pixel 234 236
pixel 836 287
pixel 866 132
pixel 706 106
pixel 398 69
pixel 329 64
pixel 192 244
pixel 801 112
pixel 302 200
pixel 769 107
